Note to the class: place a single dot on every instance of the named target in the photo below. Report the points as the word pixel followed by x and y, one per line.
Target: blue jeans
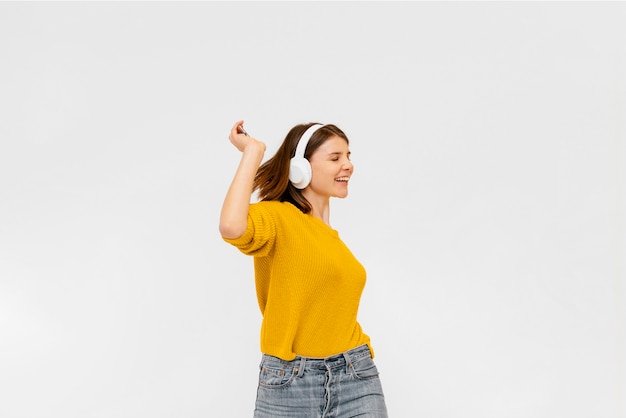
pixel 341 386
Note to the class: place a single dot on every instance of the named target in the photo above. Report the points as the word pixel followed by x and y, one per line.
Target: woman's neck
pixel 320 208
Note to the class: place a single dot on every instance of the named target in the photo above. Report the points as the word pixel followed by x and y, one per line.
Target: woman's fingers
pixel 235 129
pixel 237 138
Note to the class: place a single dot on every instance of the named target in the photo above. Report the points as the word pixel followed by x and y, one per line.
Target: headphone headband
pixel 304 140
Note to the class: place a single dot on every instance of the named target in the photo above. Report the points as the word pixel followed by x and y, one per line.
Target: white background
pixel 487 205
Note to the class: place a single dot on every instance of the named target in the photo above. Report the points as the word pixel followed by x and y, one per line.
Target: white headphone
pixel 299 167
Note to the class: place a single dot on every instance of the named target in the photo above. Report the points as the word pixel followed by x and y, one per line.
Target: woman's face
pixel 331 168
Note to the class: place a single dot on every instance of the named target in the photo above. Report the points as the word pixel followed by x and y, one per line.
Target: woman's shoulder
pixel 276 212
pixel 275 206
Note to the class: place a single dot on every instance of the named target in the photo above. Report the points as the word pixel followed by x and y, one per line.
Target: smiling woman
pixel 308 283
pixel 285 176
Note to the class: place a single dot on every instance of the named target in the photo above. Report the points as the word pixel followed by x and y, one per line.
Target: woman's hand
pixel 242 141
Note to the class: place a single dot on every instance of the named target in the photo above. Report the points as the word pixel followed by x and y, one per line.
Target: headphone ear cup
pixel 300 172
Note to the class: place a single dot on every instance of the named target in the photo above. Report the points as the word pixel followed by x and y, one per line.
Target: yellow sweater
pixel 308 283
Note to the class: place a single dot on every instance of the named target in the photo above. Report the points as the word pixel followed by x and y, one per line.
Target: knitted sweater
pixel 308 283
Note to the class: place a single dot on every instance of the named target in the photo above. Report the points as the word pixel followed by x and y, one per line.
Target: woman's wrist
pixel 256 147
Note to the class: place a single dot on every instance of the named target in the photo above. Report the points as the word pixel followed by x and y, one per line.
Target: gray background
pixel 487 204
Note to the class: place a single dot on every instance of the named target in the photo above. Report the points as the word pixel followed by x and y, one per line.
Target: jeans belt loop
pixel 348 361
pixel 301 368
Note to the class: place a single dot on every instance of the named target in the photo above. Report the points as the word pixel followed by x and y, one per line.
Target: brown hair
pixel 272 177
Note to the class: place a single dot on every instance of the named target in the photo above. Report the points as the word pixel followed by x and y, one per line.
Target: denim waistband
pixel 342 360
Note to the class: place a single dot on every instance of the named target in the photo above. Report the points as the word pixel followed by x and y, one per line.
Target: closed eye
pixel 335 156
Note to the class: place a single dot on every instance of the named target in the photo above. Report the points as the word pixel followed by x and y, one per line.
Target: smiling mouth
pixel 342 179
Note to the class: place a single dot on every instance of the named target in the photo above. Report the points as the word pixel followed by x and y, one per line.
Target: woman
pixel 316 360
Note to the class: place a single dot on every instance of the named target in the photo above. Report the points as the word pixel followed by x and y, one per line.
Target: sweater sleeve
pixel 259 238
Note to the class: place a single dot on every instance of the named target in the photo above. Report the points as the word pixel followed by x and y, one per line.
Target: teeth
pixel 342 178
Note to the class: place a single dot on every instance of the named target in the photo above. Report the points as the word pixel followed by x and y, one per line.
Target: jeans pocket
pixel 364 369
pixel 276 375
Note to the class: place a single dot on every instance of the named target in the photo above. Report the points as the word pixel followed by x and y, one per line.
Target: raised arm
pixel 234 216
